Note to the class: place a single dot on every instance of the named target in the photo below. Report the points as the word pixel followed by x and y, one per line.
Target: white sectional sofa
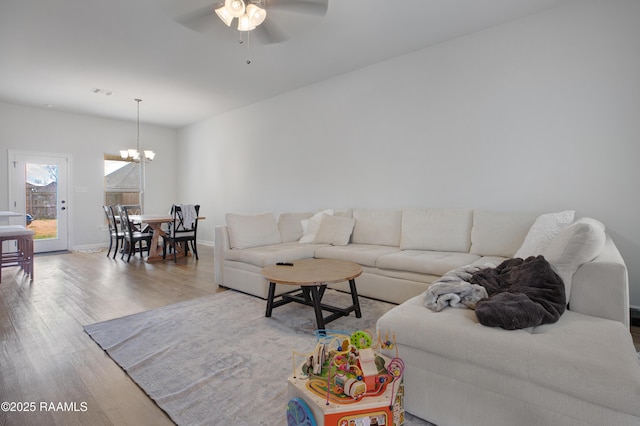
pixel 582 369
pixel 401 252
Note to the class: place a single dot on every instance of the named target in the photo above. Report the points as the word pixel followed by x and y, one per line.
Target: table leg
pixel 306 294
pixel 354 297
pixel 316 296
pixel 154 252
pixel 272 292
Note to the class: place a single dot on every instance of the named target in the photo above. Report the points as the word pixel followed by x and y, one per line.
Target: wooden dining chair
pixel 132 237
pixel 135 209
pixel 182 230
pixel 115 234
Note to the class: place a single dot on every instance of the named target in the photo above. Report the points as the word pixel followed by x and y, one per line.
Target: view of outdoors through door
pixel 38 188
pixel 41 199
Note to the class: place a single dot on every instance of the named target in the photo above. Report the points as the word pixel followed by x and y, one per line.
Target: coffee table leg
pixel 306 294
pixel 317 298
pixel 354 298
pixel 272 292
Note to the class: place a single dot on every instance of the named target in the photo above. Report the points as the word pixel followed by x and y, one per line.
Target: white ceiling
pixel 54 52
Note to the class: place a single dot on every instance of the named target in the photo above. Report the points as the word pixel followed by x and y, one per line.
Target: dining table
pixel 155 222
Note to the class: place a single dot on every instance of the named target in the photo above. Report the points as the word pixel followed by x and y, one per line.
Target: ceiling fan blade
pixel 200 19
pixel 269 33
pixel 307 7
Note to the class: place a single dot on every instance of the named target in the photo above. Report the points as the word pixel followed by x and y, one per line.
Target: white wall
pixel 539 114
pixel 87 139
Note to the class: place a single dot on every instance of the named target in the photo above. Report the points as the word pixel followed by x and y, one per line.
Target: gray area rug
pixel 217 359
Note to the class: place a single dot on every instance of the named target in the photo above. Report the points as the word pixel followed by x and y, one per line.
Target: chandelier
pixel 134 154
pixel 248 12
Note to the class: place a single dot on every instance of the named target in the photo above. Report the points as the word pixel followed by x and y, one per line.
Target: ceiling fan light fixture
pixel 245 24
pixel 235 7
pixel 256 15
pixel 224 15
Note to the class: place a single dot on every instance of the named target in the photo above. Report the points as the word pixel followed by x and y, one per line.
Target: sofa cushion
pixel 268 255
pixel 580 243
pixel 310 226
pixel 544 229
pixel 499 234
pixel 426 262
pixel 362 254
pixel 377 226
pixel 436 229
pixel 252 230
pixel 290 225
pixel 582 356
pixel 334 230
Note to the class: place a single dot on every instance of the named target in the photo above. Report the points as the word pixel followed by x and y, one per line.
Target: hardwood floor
pixel 635 332
pixel 47 358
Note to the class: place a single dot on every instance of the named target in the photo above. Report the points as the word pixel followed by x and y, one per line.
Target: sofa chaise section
pixel 581 370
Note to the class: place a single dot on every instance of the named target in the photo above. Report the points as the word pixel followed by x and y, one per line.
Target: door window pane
pixel 42 199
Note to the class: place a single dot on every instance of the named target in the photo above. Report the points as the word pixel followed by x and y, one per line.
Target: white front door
pixel 38 186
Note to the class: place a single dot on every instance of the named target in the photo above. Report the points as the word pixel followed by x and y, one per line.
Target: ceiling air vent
pixel 102 92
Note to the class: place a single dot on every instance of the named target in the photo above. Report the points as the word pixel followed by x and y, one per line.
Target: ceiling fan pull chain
pixel 241 41
pixel 248 47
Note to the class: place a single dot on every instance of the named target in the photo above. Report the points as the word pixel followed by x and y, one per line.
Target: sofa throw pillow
pixel 310 226
pixel 580 243
pixel 247 231
pixel 334 230
pixel 437 230
pixel 290 225
pixel 543 231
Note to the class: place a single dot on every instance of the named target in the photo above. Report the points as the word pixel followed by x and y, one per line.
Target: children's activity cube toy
pixel 345 381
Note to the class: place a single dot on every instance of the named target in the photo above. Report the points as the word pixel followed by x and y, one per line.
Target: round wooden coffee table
pixel 313 275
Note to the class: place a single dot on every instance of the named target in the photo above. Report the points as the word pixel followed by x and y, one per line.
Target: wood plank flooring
pixel 635 332
pixel 47 358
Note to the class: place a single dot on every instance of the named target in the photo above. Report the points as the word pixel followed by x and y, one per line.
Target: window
pixel 121 181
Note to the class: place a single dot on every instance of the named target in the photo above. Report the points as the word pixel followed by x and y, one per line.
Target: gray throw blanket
pixel 455 290
pixel 522 293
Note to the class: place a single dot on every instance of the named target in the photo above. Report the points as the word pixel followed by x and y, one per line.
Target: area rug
pixel 218 359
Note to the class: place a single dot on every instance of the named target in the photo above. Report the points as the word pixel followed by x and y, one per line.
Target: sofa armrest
pixel 601 287
pixel 221 245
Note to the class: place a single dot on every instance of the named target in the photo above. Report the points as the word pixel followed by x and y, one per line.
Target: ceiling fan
pixel 270 21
